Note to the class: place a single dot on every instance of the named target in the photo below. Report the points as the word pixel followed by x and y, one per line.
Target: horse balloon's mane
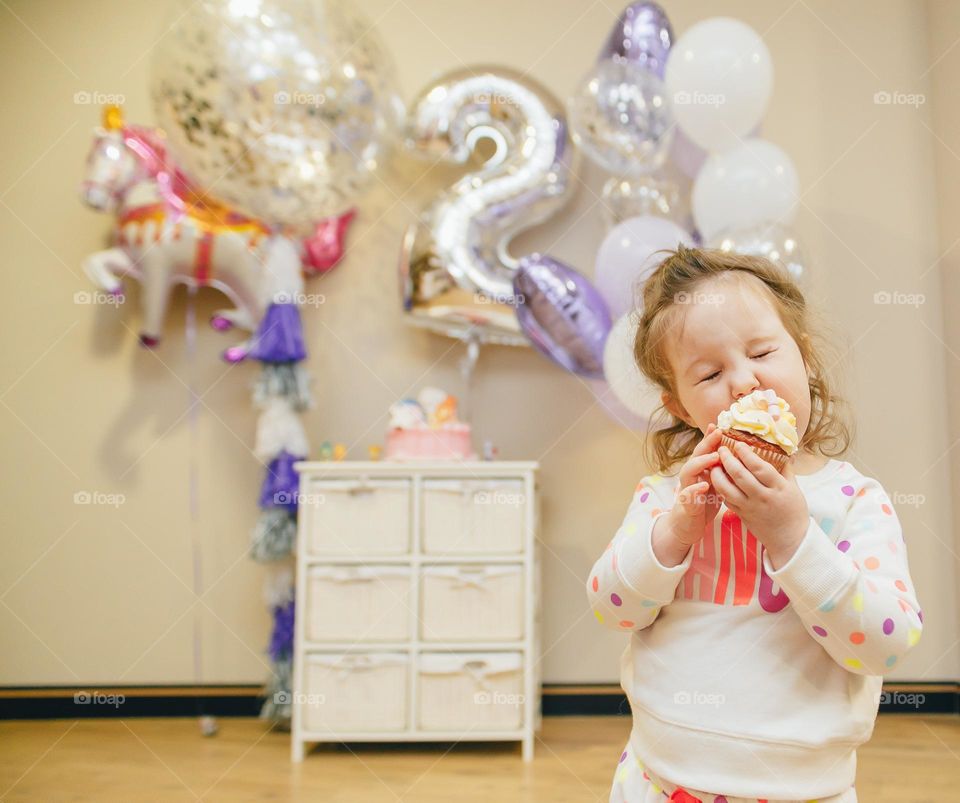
pixel 150 147
pixel 179 191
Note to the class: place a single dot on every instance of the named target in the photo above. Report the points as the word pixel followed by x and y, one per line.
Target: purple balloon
pixel 562 313
pixel 642 35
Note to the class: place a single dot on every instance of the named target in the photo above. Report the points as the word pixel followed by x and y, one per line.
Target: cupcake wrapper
pixel 775 457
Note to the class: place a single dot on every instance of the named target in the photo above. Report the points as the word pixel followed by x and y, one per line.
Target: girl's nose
pixel 744 384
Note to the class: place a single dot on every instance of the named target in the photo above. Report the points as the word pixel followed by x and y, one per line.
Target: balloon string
pixel 193 417
pixel 467 365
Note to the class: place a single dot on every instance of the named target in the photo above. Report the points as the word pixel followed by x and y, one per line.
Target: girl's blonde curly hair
pixel 678 276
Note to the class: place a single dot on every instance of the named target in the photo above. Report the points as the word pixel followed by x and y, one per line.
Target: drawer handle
pixel 349 577
pixel 478 671
pixel 471 578
pixel 352 663
pixel 359 490
pixel 365 573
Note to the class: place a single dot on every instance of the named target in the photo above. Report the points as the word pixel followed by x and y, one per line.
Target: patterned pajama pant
pixel 633 782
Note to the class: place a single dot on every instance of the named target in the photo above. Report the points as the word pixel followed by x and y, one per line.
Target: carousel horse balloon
pixel 168 232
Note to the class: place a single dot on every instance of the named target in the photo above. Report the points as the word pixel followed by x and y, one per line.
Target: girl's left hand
pixel 769 503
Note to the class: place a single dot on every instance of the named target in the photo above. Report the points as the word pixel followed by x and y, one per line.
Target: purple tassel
pixel 280 335
pixel 281 639
pixel 281 483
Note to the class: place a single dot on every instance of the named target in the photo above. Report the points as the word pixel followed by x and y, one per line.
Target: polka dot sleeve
pixel 627 586
pixel 852 589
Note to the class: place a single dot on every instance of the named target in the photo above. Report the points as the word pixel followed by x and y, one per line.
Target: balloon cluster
pixel 716 83
pixel 653 110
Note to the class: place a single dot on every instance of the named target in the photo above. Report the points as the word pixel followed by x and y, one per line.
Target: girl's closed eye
pixel 755 357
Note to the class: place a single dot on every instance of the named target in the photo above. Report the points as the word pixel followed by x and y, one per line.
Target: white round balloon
pixel 745 186
pixel 631 387
pixel 719 77
pixel 628 255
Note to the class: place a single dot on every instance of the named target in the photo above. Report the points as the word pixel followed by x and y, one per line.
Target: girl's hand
pixel 769 503
pixel 697 505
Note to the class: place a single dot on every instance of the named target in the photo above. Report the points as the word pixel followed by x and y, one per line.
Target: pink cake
pixel 449 441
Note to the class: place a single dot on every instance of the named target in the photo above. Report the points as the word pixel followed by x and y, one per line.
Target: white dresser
pixel 417 611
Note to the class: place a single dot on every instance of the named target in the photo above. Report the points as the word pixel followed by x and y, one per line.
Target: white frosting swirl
pixel 766 415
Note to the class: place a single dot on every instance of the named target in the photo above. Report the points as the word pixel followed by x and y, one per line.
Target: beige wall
pixel 944 34
pixel 103 595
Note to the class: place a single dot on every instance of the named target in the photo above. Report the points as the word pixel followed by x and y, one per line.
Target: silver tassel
pixel 273 535
pixel 277 706
pixel 287 380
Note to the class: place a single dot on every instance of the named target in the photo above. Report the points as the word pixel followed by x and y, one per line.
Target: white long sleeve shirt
pixel 749 681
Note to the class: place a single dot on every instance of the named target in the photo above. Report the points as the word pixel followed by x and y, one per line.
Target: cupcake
pixel 763 421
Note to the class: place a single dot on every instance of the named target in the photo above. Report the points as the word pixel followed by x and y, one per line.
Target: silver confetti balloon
pixel 280 108
pixel 621 116
pixel 772 240
pixel 629 197
pixel 456 269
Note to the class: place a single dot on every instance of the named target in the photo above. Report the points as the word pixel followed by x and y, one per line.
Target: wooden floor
pixel 911 759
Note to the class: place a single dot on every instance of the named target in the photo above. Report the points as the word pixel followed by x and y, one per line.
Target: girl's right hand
pixel 697 502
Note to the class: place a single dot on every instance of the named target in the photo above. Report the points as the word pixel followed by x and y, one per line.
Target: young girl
pixel 762 608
